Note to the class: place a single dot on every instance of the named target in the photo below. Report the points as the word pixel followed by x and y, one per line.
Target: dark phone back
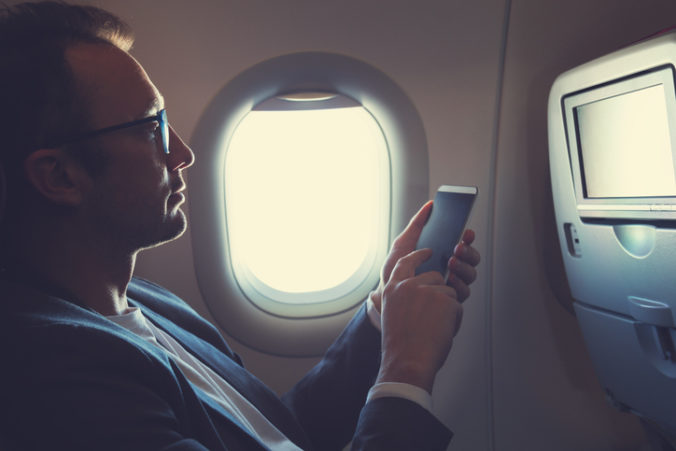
pixel 443 230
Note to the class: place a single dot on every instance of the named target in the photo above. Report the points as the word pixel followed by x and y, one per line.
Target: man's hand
pixel 421 314
pixel 462 271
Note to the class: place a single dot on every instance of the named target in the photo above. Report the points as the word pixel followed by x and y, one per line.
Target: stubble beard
pixel 172 228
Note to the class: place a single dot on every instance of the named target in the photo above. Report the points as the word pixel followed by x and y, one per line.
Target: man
pixel 95 359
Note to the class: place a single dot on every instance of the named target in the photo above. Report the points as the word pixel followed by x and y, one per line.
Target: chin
pixel 176 226
pixel 171 229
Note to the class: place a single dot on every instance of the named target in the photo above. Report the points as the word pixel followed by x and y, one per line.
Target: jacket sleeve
pixel 397 424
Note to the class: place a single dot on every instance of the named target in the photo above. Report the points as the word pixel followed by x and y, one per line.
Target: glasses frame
pixel 160 118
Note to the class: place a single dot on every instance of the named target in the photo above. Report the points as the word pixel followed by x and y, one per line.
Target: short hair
pixel 39 102
pixel 40 105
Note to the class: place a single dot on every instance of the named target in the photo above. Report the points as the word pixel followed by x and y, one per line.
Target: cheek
pixel 149 177
pixel 137 193
pixel 141 163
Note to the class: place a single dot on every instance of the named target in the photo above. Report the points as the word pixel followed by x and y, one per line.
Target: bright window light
pixel 304 189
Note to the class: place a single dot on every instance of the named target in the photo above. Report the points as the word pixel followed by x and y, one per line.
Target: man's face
pixel 135 202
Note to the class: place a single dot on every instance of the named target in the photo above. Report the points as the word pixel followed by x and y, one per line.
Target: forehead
pixel 115 85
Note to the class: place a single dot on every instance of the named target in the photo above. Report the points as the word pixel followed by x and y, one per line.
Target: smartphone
pixel 443 229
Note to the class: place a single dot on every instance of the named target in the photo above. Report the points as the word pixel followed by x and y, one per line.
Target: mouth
pixel 177 185
pixel 176 198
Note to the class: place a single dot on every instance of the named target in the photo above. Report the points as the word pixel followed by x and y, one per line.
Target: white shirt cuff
pixel 400 390
pixel 373 313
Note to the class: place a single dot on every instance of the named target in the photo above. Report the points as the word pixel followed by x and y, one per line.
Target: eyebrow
pixel 155 105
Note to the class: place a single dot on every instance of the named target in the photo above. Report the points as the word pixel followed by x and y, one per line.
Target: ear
pixel 56 176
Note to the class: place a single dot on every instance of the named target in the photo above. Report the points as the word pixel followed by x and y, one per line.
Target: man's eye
pixel 150 131
pixel 156 130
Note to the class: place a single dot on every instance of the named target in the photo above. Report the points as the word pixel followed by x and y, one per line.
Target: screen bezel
pixel 651 208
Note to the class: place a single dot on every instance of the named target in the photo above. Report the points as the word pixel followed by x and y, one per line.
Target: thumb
pixel 407 239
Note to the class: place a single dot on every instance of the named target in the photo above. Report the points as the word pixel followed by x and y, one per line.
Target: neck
pixel 94 275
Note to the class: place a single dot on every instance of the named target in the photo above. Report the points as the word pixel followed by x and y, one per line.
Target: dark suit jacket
pixel 73 380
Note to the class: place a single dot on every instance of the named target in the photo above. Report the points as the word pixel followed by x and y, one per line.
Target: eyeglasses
pixel 160 118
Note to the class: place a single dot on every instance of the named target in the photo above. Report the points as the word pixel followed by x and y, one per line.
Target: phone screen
pixel 443 230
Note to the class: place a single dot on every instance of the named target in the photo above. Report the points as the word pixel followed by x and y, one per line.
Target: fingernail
pixel 452 262
pixel 459 249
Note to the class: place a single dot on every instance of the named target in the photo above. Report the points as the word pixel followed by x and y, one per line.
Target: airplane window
pixel 304 185
pixel 308 165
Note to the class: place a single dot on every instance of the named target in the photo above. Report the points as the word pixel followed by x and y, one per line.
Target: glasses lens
pixel 164 127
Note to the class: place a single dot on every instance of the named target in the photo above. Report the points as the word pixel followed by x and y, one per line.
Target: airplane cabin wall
pixel 518 377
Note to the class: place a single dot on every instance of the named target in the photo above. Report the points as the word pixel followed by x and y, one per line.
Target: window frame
pixel 409 186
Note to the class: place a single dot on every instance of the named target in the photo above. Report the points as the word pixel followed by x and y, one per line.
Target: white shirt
pixel 206 380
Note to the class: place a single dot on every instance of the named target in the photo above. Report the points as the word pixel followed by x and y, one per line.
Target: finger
pixel 466 272
pixel 406 241
pixel 468 236
pixel 409 237
pixel 406 265
pixel 466 253
pixel 462 289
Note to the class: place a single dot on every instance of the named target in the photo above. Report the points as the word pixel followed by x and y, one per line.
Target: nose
pixel 180 155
